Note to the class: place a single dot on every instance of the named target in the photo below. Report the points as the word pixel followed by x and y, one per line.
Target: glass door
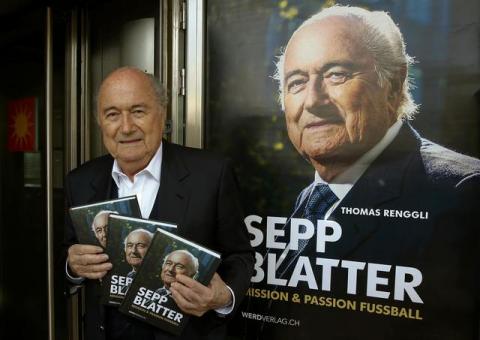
pixel 31 172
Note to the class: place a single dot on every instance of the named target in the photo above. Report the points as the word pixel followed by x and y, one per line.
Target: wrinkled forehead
pixel 179 258
pixel 336 26
pixel 138 238
pixel 101 220
pixel 121 77
pixel 126 88
pixel 332 37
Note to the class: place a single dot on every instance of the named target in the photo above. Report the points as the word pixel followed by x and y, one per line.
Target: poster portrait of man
pixel 395 196
pixel 381 234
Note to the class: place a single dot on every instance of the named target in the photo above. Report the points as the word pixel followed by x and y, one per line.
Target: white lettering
pixel 303 263
pixel 256 232
pixel 296 234
pixel 402 286
pixel 327 265
pixel 323 237
pixel 353 267
pixel 273 233
pixel 373 280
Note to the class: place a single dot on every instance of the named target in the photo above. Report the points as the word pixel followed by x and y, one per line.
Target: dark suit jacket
pixel 198 192
pixel 411 174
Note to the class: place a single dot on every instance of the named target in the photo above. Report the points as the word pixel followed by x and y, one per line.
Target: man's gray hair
pixel 138 231
pixel 101 213
pixel 193 259
pixel 382 38
pixel 160 91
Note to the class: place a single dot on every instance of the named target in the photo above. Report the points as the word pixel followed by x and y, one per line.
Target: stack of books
pixel 146 256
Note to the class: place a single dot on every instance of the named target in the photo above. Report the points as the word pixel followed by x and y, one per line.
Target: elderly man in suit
pixel 403 231
pixel 191 188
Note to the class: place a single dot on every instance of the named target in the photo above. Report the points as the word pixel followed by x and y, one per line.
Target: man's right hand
pixel 88 261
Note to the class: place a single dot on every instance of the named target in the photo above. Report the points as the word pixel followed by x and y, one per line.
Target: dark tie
pixel 320 200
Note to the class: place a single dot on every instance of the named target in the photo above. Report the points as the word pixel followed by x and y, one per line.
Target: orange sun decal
pixel 21 124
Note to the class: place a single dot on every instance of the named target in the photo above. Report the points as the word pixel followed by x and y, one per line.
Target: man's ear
pixel 399 79
pixel 395 94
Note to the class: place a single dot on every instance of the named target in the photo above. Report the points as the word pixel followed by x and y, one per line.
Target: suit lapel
pixel 381 183
pixel 102 186
pixel 174 193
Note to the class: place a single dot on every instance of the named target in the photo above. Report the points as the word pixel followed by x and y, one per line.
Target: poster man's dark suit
pixel 162 291
pixel 411 174
pixel 197 192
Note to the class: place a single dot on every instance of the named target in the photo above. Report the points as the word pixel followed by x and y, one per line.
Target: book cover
pixel 149 298
pixel 128 242
pixel 91 220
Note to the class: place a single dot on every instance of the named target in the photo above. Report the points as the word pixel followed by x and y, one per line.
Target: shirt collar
pixel 342 183
pixel 153 168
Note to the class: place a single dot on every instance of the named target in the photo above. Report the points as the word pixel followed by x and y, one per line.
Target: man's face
pixel 335 109
pixel 130 118
pixel 136 247
pixel 100 228
pixel 176 263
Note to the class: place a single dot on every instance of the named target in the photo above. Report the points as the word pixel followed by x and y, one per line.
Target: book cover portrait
pixel 149 297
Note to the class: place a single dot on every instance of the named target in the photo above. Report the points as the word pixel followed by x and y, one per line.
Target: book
pixel 149 298
pixel 128 242
pixel 91 220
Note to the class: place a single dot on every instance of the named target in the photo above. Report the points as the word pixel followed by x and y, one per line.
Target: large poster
pixel 355 134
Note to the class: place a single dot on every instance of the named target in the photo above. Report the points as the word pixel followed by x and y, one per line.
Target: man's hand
pixel 88 261
pixel 194 298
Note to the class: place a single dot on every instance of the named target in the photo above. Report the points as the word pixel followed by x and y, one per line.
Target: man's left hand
pixel 196 299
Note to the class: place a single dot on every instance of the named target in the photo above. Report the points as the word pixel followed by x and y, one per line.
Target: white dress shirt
pixel 145 184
